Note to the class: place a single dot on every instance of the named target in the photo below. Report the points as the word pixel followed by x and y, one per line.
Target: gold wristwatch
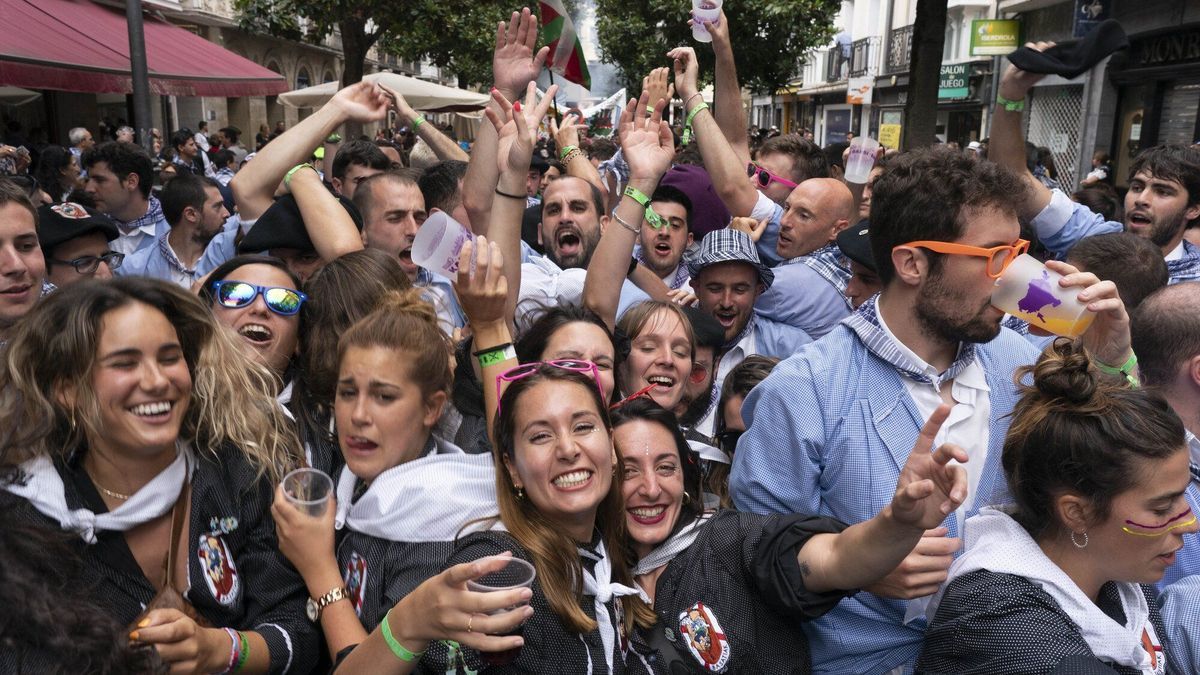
pixel 313 607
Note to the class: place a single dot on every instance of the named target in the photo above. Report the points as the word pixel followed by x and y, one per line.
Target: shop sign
pixel 889 136
pixel 994 37
pixel 1089 14
pixel 1167 49
pixel 952 83
pixel 858 90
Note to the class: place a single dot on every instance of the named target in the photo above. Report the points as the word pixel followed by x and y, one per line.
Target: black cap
pixel 855 242
pixel 281 226
pixel 708 330
pixel 58 223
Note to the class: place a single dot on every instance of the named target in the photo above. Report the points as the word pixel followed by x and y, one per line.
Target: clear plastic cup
pixel 439 242
pixel 516 574
pixel 861 159
pixel 702 10
pixel 1030 291
pixel 308 490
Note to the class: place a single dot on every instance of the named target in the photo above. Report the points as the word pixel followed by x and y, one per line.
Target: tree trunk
pixel 355 44
pixel 920 111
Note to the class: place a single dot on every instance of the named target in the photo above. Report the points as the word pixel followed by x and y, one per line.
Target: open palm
pixel 646 140
pixel 514 63
pixel 516 127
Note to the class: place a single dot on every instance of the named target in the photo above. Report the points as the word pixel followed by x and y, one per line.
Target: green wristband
pixel 1011 106
pixel 418 121
pixel 687 126
pixel 244 656
pixel 1124 370
pixel 287 178
pixel 498 355
pixel 393 644
pixel 566 150
pixel 637 196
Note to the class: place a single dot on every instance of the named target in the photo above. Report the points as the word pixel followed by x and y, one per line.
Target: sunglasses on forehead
pixel 526 369
pixel 238 294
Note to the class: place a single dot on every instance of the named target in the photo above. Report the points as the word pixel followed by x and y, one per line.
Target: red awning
pixel 77 45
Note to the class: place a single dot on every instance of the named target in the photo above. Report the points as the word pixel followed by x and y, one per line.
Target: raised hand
pixel 687 72
pixel 1015 83
pixel 750 226
pixel 646 140
pixel 567 133
pixel 362 102
pixel 481 288
pixel 1108 337
pixel 719 29
pixel 930 487
pixel 516 126
pixel 514 63
pixel 658 84
pixel 403 109
pixel 306 541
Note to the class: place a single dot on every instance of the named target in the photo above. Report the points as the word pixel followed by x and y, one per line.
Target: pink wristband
pixel 234 649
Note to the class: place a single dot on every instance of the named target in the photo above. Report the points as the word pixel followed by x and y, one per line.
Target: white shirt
pixel 967 426
pixel 1194 452
pixel 129 242
pixel 1175 253
pixel 736 354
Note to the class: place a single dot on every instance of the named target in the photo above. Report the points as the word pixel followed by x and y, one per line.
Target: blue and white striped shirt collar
pixel 866 325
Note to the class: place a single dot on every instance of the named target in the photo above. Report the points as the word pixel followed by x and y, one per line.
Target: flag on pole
pixel 566 51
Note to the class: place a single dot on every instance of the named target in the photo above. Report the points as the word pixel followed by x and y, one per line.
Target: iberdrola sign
pixel 994 37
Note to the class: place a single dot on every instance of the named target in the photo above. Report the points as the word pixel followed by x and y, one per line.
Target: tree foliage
pixel 770 37
pixel 457 37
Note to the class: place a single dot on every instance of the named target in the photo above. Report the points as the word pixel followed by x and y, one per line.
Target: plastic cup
pixel 438 243
pixel 1030 291
pixel 516 574
pixel 702 10
pixel 861 159
pixel 308 490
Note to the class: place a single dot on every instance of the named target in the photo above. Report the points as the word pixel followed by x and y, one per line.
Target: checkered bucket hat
pixel 726 245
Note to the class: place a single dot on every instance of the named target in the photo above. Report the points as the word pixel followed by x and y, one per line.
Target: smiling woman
pixel 107 397
pixel 658 346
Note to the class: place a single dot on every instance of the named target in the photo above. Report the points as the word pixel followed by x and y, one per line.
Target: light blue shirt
pixel 801 297
pixel 158 261
pixel 1180 604
pixel 1063 223
pixel 827 434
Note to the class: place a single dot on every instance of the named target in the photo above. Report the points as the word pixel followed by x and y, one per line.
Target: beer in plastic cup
pixel 516 574
pixel 861 159
pixel 1030 291
pixel 438 243
pixel 702 10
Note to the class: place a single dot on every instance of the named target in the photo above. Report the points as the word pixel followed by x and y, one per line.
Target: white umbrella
pixel 17 96
pixel 421 95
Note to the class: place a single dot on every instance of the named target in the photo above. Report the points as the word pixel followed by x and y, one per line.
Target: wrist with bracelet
pixel 490 356
pixel 287 178
pixel 417 121
pixel 1125 370
pixel 1011 105
pixel 398 650
pixel 687 125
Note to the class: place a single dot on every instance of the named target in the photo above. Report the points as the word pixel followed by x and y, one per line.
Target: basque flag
pixel 566 52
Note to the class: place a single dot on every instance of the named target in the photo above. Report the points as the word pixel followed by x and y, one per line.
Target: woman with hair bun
pixel 1060 580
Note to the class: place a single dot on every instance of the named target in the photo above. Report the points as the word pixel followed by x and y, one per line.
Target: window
pixel 303 79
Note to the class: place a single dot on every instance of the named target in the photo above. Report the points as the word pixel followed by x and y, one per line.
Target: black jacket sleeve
pixel 775 571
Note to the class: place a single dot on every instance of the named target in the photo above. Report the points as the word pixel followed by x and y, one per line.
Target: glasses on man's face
pixel 238 294
pixel 727 441
pixel 998 257
pixel 764 177
pixel 1185 519
pixel 526 369
pixel 88 264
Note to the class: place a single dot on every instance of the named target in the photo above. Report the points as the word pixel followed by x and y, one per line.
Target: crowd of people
pixel 736 412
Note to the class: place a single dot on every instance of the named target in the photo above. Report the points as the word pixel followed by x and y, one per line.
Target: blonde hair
pixel 54 351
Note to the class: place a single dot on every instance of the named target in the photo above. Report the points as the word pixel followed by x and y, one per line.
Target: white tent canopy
pixel 17 95
pixel 421 95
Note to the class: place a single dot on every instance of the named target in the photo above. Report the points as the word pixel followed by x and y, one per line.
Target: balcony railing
pixel 864 57
pixel 837 64
pixel 899 50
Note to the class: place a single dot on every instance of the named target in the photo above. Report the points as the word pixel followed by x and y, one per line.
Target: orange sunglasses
pixel 999 257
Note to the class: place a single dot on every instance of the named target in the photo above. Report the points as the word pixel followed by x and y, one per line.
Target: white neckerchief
pixel 709 452
pixel 600 585
pixel 425 500
pixel 44 489
pixel 666 551
pixel 997 543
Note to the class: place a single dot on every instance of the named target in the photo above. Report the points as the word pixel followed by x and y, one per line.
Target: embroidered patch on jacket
pixel 219 570
pixel 704 638
pixel 355 576
pixel 222 525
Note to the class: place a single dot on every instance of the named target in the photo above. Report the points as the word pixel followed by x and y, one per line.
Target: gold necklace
pixel 110 493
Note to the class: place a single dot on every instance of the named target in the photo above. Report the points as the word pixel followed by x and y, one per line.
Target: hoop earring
pixel 1077 544
pixel 687 499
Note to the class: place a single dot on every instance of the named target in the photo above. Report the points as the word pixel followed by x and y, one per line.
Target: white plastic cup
pixel 702 10
pixel 1030 291
pixel 861 159
pixel 439 242
pixel 308 490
